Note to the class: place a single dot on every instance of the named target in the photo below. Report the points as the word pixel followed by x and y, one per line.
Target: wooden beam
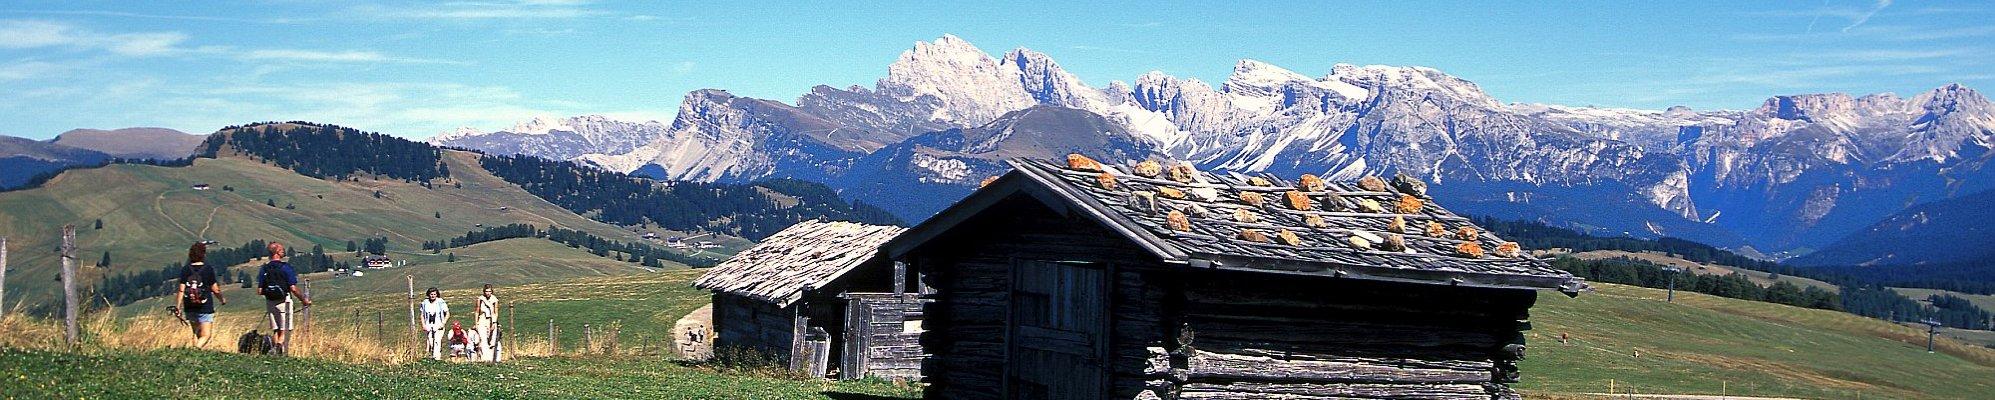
pixel 900 276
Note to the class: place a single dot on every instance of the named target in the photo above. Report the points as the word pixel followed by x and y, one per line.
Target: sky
pixel 417 69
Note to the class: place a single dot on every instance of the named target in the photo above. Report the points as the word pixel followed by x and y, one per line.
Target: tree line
pixel 1860 290
pixel 1629 271
pixel 637 252
pixel 747 211
pixel 1975 278
pixel 330 151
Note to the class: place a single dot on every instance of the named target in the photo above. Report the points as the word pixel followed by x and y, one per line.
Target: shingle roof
pixel 805 256
pixel 1267 224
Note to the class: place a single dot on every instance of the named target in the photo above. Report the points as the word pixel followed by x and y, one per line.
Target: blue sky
pixel 414 69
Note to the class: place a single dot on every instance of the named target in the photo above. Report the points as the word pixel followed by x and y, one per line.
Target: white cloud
pixel 34 34
pixel 335 56
pixel 1865 17
pixel 479 10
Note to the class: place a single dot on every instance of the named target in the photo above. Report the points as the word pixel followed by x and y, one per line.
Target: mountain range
pixel 1795 174
pixel 23 159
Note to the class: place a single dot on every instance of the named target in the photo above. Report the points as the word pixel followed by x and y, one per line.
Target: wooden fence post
pixel 550 337
pixel 3 276
pixel 588 339
pixel 69 283
pixel 305 315
pixel 412 303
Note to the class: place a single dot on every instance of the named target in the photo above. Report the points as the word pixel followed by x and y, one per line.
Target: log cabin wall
pixel 882 336
pixel 747 324
pixel 1262 335
pixel 970 273
pixel 1182 333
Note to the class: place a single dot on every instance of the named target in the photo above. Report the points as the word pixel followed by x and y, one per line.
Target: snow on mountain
pixel 557 138
pixel 1820 162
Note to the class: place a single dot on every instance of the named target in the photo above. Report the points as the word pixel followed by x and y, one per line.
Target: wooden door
pixel 1058 339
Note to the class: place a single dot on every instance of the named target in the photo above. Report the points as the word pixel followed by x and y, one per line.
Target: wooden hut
pixel 1084 281
pixel 817 296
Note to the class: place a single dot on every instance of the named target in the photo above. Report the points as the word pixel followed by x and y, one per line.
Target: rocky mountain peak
pixel 970 85
pixel 1808 107
pixel 1043 78
pixel 1412 80
pixel 1680 112
pixel 540 125
pixel 1953 98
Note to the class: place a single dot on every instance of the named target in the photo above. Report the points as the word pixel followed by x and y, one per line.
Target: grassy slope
pixel 1761 278
pixel 1705 344
pixel 165 374
pixel 645 305
pixel 1986 302
pixel 150 214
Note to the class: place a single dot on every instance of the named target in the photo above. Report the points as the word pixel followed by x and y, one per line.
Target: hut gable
pixel 1369 229
pixel 803 257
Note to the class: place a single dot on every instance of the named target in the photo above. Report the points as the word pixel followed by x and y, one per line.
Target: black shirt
pixel 195 298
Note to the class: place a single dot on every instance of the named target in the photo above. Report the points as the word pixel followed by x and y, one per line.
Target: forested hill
pixel 752 211
pixel 329 151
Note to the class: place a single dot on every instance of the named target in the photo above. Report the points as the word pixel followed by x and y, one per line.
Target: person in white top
pixel 436 313
pixel 486 324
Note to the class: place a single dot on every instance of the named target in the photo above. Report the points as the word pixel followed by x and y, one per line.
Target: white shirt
pixel 488 307
pixel 435 313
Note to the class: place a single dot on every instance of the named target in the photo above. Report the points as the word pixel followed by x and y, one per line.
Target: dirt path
pixel 156 207
pixel 210 223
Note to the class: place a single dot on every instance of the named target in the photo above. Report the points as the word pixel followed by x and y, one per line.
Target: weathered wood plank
pixel 1257 390
pixel 1207 365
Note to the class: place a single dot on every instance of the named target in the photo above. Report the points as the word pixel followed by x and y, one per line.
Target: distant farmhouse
pixel 818 297
pixel 377 262
pixel 1147 281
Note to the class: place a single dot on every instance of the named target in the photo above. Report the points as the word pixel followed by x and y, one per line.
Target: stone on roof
pixel 1356 229
pixel 803 257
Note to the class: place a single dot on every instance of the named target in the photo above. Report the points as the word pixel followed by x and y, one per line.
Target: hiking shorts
pixel 201 318
pixel 280 314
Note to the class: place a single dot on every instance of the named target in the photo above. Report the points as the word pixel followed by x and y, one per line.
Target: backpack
pixel 272 280
pixel 195 292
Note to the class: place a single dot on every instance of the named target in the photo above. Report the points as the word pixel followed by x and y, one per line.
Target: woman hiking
pixel 199 292
pixel 486 324
pixel 435 313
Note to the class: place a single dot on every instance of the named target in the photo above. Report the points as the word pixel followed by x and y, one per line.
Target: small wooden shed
pixel 1153 281
pixel 818 297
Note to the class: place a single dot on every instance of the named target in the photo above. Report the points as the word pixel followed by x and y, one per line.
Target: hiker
pixel 435 312
pixel 277 282
pixel 460 343
pixel 486 323
pixel 199 291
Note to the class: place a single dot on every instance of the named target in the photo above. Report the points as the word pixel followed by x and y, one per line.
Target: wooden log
pixel 1260 390
pixel 69 283
pixel 1211 366
pixel 1297 330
